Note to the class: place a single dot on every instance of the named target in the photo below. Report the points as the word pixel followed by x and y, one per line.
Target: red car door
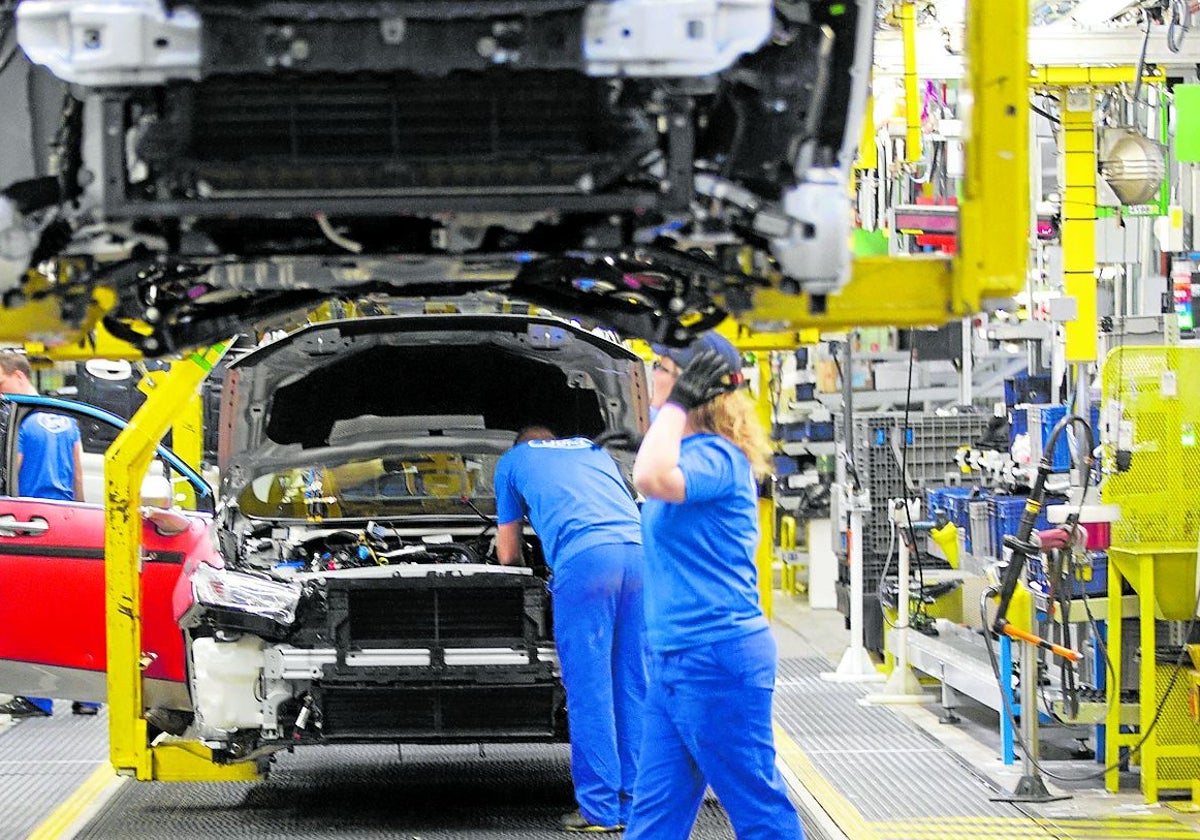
pixel 52 600
pixel 52 587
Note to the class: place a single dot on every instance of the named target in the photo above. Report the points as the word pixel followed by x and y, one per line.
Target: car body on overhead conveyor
pixel 346 587
pixel 648 163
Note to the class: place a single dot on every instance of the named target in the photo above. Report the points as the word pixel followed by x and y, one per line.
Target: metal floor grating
pixel 42 761
pixel 434 793
pixel 883 764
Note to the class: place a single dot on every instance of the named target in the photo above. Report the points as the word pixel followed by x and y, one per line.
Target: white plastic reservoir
pixel 225 682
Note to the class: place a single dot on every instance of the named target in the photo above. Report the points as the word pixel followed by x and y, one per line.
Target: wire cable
pixel 1141 65
pixel 918 559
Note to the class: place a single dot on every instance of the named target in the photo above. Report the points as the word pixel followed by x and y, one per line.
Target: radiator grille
pixel 400 131
pixel 390 616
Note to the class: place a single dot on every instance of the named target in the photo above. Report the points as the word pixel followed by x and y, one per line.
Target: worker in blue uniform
pixel 582 511
pixel 712 654
pixel 49 466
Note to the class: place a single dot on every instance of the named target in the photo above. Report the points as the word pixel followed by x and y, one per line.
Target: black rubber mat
pixel 417 793
pixel 885 765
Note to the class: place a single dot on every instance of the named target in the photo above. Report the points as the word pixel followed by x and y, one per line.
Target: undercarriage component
pixel 148 42
pixel 232 163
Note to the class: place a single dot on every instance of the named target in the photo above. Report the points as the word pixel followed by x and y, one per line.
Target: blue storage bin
pixel 1024 388
pixel 938 498
pixel 806 391
pixel 820 430
pixel 1006 517
pixel 957 508
pixel 786 465
pixel 1045 418
pixel 1042 420
pixel 1018 424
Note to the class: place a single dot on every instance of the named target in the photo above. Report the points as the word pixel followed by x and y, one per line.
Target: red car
pixel 52 579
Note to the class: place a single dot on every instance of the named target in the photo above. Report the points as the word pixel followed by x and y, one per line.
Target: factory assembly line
pixel 285 280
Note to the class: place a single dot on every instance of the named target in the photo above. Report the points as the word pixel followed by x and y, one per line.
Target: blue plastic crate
pixel 805 391
pixel 1046 418
pixel 791 431
pixel 1018 423
pixel 1024 388
pixel 820 430
pixel 1006 517
pixel 938 498
pixel 786 465
pixel 958 508
pixel 1042 420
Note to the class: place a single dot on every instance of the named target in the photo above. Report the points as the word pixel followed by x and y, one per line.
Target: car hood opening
pixel 343 389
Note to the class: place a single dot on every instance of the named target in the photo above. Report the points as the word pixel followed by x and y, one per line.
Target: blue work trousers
pixel 708 722
pixel 599 629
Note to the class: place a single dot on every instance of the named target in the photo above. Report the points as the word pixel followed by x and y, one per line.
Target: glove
pixel 705 378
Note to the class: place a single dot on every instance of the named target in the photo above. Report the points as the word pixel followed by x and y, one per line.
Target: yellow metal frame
pixel 125 466
pixel 1090 76
pixel 1078 147
pixel 907 12
pixel 911 291
pixel 187 430
pixel 765 554
pixel 1142 565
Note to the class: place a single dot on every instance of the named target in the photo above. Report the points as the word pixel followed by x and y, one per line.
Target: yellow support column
pixel 994 218
pixel 766 501
pixel 907 13
pixel 868 155
pixel 125 465
pixel 1113 742
pixel 187 432
pixel 1079 220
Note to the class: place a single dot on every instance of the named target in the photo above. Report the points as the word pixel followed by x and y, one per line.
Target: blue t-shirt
pixel 46 443
pixel 701 580
pixel 572 492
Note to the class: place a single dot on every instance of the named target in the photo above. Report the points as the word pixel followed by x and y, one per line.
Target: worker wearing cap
pixel 712 655
pixel 591 536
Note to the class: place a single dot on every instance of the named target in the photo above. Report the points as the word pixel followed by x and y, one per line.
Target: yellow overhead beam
pixel 748 340
pixel 1090 76
pixel 883 291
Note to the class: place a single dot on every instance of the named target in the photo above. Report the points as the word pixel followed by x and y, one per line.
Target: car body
pixel 644 162
pixel 346 587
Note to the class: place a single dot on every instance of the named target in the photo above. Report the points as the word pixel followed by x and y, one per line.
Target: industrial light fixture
pixel 1132 164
